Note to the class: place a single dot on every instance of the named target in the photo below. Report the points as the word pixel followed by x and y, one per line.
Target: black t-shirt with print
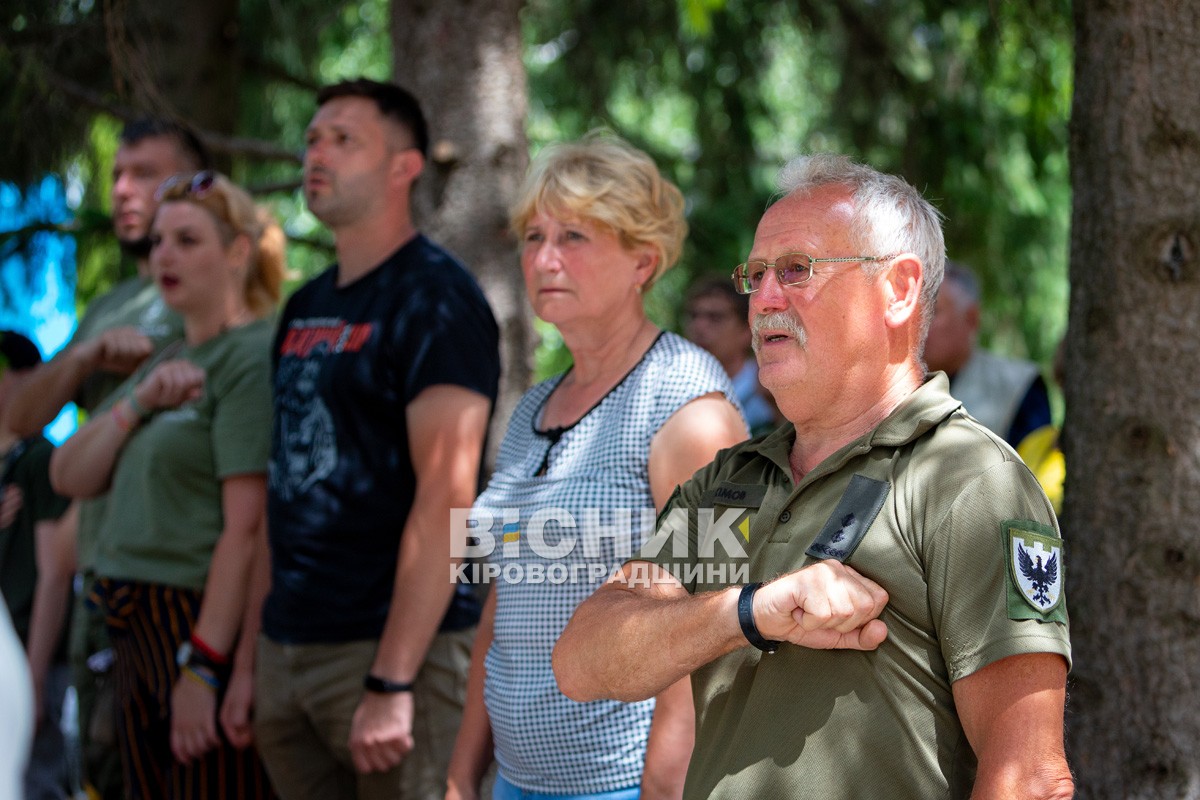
pixel 348 361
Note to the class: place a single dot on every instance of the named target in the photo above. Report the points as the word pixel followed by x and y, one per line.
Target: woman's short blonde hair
pixel 237 215
pixel 602 178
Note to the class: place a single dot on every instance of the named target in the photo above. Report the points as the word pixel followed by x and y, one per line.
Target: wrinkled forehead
pixel 816 222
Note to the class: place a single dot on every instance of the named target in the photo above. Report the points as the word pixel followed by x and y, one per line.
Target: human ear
pixel 407 164
pixel 647 263
pixel 903 283
pixel 239 252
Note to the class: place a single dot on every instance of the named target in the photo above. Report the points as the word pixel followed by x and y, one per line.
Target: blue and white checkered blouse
pixel 566 510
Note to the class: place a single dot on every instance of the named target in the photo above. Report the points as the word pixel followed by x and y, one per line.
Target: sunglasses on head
pixel 177 186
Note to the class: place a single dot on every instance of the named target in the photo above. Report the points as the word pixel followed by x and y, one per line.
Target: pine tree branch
pixel 255 149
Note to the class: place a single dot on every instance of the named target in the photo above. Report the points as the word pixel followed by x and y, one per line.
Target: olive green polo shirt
pixel 930 505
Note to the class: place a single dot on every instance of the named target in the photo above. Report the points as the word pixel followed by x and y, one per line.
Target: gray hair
pixel 890 216
pixel 961 276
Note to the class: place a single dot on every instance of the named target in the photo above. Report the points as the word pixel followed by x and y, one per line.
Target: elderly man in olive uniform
pixel 909 637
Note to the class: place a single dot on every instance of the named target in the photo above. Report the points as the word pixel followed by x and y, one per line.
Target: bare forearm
pixel 50 602
pixel 260 584
pixel 669 748
pixel 49 388
pixel 473 746
pixel 603 653
pixel 420 596
pixel 1012 714
pixel 54 549
pixel 225 591
pixel 84 464
pixel 1049 781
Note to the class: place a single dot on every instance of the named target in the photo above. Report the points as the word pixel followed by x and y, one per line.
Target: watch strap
pixel 746 620
pixel 374 683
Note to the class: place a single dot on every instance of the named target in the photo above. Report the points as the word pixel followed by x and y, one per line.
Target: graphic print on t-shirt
pixel 308 443
pixel 153 321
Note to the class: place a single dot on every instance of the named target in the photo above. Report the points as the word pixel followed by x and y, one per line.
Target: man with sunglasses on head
pixel 119 330
pixel 386 369
pixel 869 599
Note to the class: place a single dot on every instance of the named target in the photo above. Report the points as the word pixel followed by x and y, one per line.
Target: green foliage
pixel 968 100
pixel 286 53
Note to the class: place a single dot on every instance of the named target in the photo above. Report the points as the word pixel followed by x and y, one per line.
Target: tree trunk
pixel 1133 401
pixel 462 58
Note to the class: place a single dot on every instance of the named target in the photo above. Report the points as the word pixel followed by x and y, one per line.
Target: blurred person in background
pixel 16 698
pixel 182 450
pixel 1007 395
pixel 119 330
pixel 37 563
pixel 716 318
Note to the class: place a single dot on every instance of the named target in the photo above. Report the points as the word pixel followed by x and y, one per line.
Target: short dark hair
pixel 17 352
pixel 189 144
pixel 392 100
pixel 716 286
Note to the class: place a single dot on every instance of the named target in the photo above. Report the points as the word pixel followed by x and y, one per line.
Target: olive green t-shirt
pixel 164 512
pixel 134 302
pixel 18 544
pixel 937 510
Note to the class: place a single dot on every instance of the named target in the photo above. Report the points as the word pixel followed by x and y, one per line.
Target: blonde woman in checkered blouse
pixel 638 412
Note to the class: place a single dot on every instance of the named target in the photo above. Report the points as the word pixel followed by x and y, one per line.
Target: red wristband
pixel 126 424
pixel 208 652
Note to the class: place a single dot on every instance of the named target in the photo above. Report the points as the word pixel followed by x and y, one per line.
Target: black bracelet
pixel 189 656
pixel 746 620
pixel 373 683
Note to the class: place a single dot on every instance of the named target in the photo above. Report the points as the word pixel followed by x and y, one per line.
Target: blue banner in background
pixel 37 275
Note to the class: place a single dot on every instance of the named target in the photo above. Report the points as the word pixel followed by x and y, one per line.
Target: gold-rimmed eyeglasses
pixel 791 269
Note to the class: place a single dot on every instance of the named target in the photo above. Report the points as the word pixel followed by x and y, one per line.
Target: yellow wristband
pixel 199 677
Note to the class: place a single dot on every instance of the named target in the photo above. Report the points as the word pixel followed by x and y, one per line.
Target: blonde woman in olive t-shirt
pixel 182 452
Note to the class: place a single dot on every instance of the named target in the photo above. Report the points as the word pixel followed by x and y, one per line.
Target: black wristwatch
pixel 373 683
pixel 746 620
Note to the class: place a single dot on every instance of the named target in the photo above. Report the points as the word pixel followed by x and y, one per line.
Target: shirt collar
pixel 916 414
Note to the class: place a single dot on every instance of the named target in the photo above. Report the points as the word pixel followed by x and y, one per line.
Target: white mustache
pixel 777 321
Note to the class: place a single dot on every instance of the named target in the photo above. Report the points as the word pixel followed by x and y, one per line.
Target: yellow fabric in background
pixel 1040 452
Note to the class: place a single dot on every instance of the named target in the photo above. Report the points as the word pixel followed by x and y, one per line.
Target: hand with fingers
pixel 193 719
pixel 381 733
pixel 170 385
pixel 118 350
pixel 237 708
pixel 824 606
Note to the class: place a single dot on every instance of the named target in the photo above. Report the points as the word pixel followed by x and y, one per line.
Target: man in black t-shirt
pixel 386 370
